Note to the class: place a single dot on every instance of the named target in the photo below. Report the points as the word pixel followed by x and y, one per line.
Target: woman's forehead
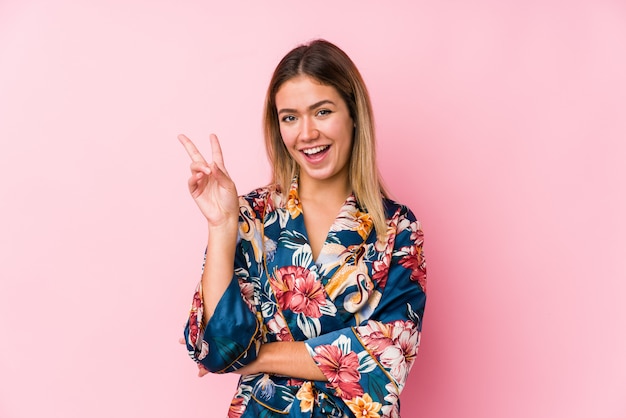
pixel 304 91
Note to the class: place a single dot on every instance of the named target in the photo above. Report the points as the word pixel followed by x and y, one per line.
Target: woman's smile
pixel 316 154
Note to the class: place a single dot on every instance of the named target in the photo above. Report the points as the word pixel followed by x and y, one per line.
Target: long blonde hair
pixel 328 64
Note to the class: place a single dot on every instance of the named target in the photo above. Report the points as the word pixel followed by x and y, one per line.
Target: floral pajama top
pixel 358 308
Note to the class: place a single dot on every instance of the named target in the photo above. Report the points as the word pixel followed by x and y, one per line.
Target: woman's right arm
pixel 216 196
pixel 223 332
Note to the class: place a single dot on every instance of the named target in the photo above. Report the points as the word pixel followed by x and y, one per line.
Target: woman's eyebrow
pixel 313 106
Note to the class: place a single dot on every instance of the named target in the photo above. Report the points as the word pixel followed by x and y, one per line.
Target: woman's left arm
pixel 285 358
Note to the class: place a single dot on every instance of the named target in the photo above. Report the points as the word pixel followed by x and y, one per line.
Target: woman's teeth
pixel 315 150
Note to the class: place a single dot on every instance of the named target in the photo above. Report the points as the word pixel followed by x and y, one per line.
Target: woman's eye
pixel 288 118
pixel 323 112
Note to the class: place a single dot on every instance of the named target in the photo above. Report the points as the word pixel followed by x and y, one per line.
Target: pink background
pixel 502 124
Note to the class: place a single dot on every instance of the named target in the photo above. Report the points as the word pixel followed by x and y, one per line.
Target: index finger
pixel 191 149
pixel 216 151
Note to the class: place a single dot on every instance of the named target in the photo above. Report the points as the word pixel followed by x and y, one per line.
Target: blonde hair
pixel 328 64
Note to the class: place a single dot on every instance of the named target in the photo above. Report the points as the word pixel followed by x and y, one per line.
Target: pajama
pixel 358 308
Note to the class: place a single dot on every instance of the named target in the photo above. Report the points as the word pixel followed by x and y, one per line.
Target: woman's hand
pixel 210 185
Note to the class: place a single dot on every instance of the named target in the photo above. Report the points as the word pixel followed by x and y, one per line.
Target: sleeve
pixel 367 365
pixel 232 336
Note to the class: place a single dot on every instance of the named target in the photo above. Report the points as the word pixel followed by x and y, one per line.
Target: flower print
pixel 417 235
pixel 306 397
pixel 391 409
pixel 376 336
pixel 297 289
pixel 194 313
pixel 197 300
pixel 408 257
pixel 352 219
pixel 364 223
pixel 194 330
pixel 247 291
pixel 364 406
pixel 341 370
pixel 237 408
pixel 273 198
pixel 419 276
pixel 293 381
pixel 258 203
pixel 395 344
pixel 269 247
pixel 204 350
pixel 293 204
pixel 347 390
pixel 414 260
pixel 307 297
pixel 264 388
pixel 380 271
pixel 278 327
pixel 399 358
pixel 403 223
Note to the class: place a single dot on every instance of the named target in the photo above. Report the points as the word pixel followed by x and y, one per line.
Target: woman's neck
pixel 336 189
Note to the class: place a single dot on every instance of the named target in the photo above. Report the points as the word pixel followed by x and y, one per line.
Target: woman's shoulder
pixel 263 199
pixel 402 218
pixel 394 208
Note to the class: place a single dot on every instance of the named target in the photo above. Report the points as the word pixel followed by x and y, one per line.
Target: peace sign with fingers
pixel 211 186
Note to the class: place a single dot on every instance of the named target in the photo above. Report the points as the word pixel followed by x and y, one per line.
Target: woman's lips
pixel 316 154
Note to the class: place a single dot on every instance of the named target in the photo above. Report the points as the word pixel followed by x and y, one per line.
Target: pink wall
pixel 502 124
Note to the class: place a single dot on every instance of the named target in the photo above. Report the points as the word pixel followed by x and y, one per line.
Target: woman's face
pixel 316 127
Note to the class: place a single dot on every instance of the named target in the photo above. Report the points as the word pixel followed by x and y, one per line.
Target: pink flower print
pixel 391 410
pixel 193 328
pixel 247 291
pixel 278 327
pixel 197 300
pixel 236 408
pixel 417 235
pixel 204 350
pixel 258 204
pixel 347 390
pixel 376 336
pixel 380 271
pixel 395 344
pixel 400 357
pixel 340 369
pixel 194 313
pixel 414 261
pixel 297 290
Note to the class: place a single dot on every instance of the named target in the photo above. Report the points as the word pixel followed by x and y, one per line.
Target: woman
pixel 313 288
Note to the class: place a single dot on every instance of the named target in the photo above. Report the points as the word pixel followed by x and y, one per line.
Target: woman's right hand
pixel 210 185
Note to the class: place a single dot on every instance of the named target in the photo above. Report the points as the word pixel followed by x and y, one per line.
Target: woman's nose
pixel 309 129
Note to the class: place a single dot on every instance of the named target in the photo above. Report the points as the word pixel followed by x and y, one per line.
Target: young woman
pixel 313 287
